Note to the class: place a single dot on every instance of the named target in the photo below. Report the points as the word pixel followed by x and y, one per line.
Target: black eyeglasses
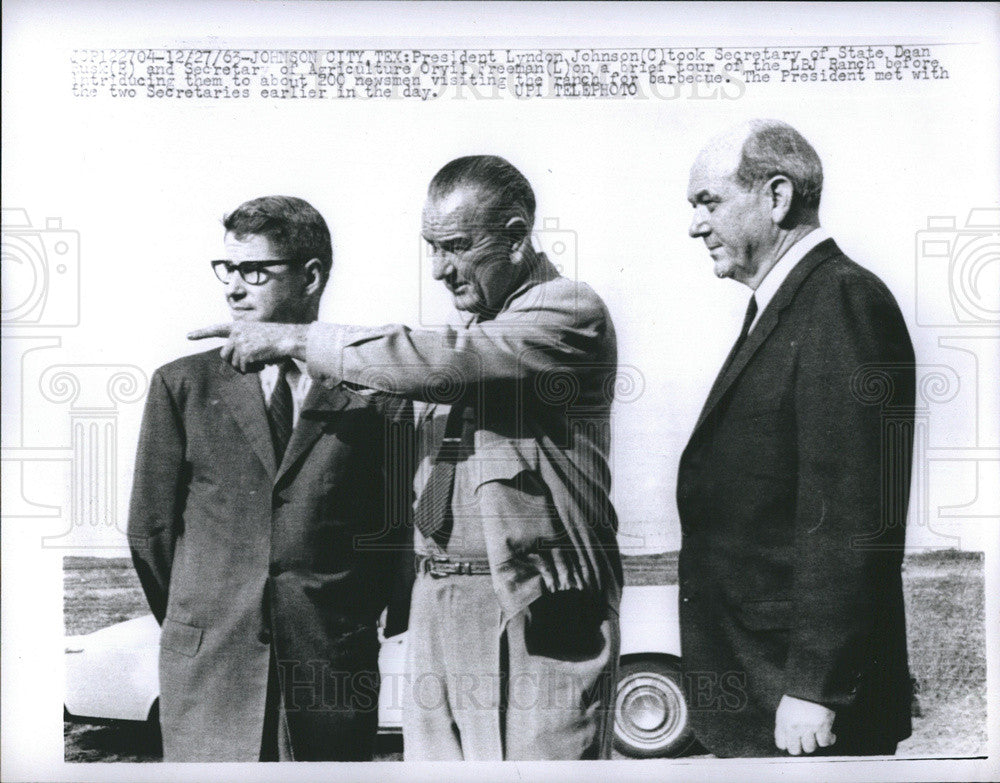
pixel 252 272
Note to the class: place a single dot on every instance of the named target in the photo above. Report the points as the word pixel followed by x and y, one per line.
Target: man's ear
pixel 780 191
pixel 315 276
pixel 517 232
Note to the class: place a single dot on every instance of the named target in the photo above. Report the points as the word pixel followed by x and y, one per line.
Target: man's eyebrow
pixel 702 196
pixel 443 241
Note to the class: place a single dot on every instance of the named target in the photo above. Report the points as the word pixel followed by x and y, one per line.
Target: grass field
pixel 945 625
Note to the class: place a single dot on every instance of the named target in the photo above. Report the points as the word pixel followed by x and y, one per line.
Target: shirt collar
pixel 779 272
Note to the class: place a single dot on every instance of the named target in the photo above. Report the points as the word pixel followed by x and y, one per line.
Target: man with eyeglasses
pixel 261 524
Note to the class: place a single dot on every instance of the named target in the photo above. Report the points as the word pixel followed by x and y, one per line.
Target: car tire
pixel 651 715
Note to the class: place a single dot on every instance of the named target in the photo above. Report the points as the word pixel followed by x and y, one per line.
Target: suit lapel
pixel 243 397
pixel 768 321
pixel 317 407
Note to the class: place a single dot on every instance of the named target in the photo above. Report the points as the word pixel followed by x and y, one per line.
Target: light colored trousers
pixel 540 686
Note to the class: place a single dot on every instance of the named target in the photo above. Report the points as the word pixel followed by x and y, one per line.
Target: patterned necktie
pixel 747 320
pixel 433 515
pixel 280 412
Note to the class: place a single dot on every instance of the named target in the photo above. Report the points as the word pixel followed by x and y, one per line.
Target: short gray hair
pixel 774 148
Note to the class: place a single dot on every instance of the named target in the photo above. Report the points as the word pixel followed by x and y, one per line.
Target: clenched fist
pixel 802 726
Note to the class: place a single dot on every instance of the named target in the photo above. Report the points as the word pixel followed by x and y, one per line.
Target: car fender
pixel 649 620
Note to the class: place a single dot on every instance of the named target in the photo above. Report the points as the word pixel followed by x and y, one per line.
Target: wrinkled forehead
pixel 464 210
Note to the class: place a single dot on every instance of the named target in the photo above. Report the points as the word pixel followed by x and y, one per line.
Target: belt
pixel 438 566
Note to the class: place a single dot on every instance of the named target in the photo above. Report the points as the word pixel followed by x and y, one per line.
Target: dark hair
pixel 292 225
pixel 775 148
pixel 506 191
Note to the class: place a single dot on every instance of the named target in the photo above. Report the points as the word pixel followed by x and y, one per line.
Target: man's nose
pixel 440 266
pixel 699 223
pixel 236 288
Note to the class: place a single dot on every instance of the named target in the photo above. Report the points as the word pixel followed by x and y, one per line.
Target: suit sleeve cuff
pixel 832 695
pixel 325 351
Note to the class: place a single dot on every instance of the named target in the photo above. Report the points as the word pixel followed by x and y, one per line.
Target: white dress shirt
pixel 769 285
pixel 299 381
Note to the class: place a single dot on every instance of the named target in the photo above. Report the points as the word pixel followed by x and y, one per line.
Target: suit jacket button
pixel 264 637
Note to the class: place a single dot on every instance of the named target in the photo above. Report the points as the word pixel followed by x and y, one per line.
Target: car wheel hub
pixel 650 710
pixel 646 710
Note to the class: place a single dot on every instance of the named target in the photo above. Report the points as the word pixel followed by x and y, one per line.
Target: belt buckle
pixel 437 566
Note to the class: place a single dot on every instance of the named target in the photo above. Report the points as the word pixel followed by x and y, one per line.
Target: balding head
pixel 755 191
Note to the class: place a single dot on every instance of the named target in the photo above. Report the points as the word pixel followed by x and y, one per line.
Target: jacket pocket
pixel 768 615
pixel 180 637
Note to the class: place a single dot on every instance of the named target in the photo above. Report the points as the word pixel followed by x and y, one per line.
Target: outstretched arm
pixel 567 330
pixel 252 344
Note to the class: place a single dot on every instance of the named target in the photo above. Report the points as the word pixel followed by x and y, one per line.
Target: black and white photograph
pixel 580 389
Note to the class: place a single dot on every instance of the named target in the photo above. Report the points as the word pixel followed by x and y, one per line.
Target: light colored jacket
pixel 542 373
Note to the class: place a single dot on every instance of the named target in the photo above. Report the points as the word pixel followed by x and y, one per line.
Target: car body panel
pixel 648 621
pixel 111 674
pixel 391 666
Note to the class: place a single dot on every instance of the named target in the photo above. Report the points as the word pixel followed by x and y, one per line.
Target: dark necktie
pixel 280 412
pixel 433 515
pixel 747 320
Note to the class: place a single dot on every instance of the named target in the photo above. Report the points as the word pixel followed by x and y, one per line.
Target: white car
pixel 111 675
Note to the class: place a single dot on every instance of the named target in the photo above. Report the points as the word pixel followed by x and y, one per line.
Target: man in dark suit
pixel 792 490
pixel 258 525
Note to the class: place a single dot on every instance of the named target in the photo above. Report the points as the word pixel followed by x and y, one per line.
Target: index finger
pixel 219 330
